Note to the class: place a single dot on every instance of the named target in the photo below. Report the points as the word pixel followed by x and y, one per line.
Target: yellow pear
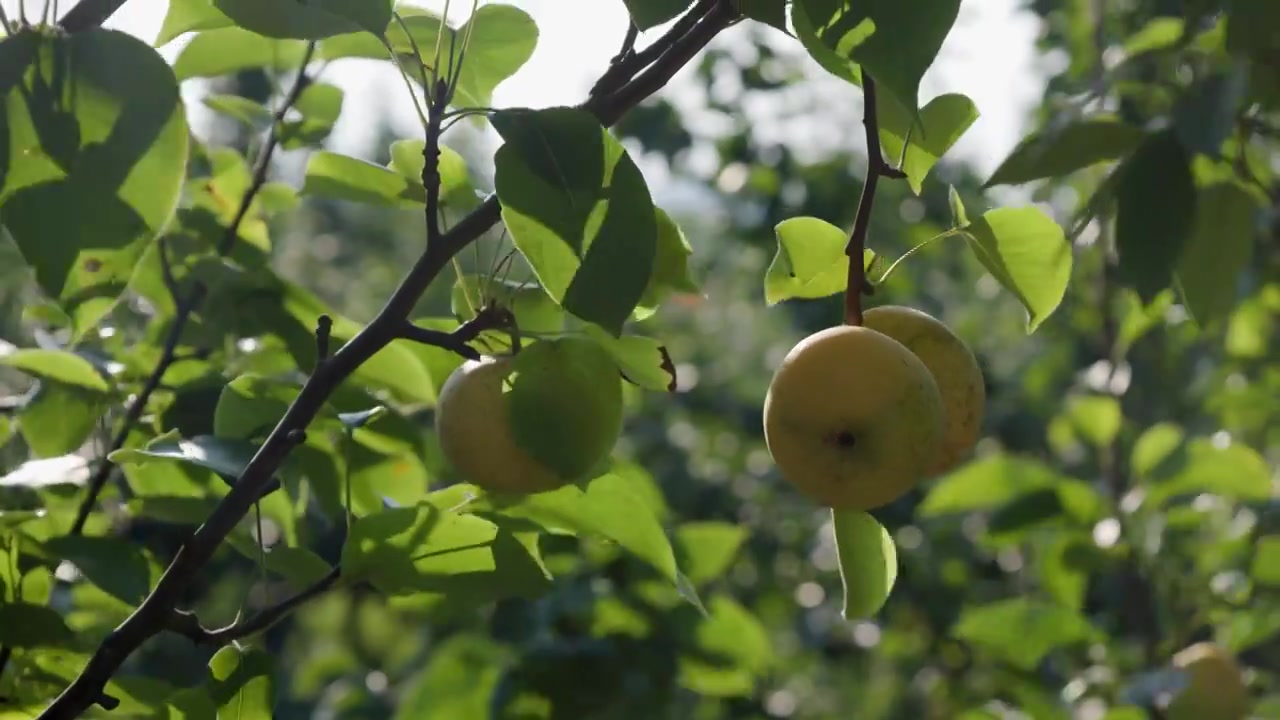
pixel 852 418
pixel 1215 685
pixel 954 369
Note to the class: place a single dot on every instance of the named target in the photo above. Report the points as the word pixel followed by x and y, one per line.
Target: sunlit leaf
pixel 706 549
pixel 106 135
pixel 810 262
pixel 60 366
pixel 1028 253
pixel 871 33
pixel 578 209
pixel 941 123
pixel 868 561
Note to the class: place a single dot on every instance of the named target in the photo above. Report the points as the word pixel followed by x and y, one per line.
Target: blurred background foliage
pixel 1111 515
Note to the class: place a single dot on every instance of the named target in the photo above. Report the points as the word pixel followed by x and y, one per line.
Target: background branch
pixel 156 610
pixel 876 169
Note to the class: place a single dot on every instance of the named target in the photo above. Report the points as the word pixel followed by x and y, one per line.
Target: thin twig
pixel 186 306
pixel 876 169
pixel 490 317
pixel 154 613
pixel 188 625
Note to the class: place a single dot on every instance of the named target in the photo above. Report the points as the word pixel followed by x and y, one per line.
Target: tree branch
pixel 88 15
pixel 490 317
pixel 188 625
pixel 186 306
pixel 153 615
pixel 876 169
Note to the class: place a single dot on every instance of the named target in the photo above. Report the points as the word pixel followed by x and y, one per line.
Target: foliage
pixel 222 491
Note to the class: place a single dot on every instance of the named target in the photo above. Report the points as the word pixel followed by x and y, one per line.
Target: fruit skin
pixel 472 422
pixel 954 369
pixel 852 418
pixel 1215 686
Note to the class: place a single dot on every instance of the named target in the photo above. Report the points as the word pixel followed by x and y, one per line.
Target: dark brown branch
pixel 188 625
pixel 876 169
pixel 431 156
pixel 489 318
pixel 186 306
pixel 88 15
pixel 628 61
pixel 153 615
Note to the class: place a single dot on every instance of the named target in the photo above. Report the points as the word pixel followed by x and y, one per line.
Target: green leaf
pixel 357 420
pixel 731 648
pixel 1157 34
pixel 607 508
pixel 341 177
pixel 26 626
pixel 810 262
pixel 1060 569
pixel 985 483
pixel 225 457
pixel 319 106
pixel 941 123
pixel 1156 209
pixel 253 114
pixel 285 19
pixel 1205 113
pixel 643 361
pixel 251 405
pixel 828 59
pixel 420 549
pixel 60 366
pixel 1234 471
pixel 459 680
pixel 227 50
pixel 565 405
pixel 1022 631
pixel 106 135
pixel 500 38
pixel 60 418
pixel 119 567
pixel 299 566
pixel 242 682
pixel 1218 250
pixel 959 216
pixel 670 267
pixel 706 549
pixel 456 190
pixel 895 42
pixel 1096 417
pixel 185 16
pixel 1061 149
pixel 1154 446
pixel 868 563
pixel 1027 253
pixel 578 209
pixel 1266 561
pixel 648 14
